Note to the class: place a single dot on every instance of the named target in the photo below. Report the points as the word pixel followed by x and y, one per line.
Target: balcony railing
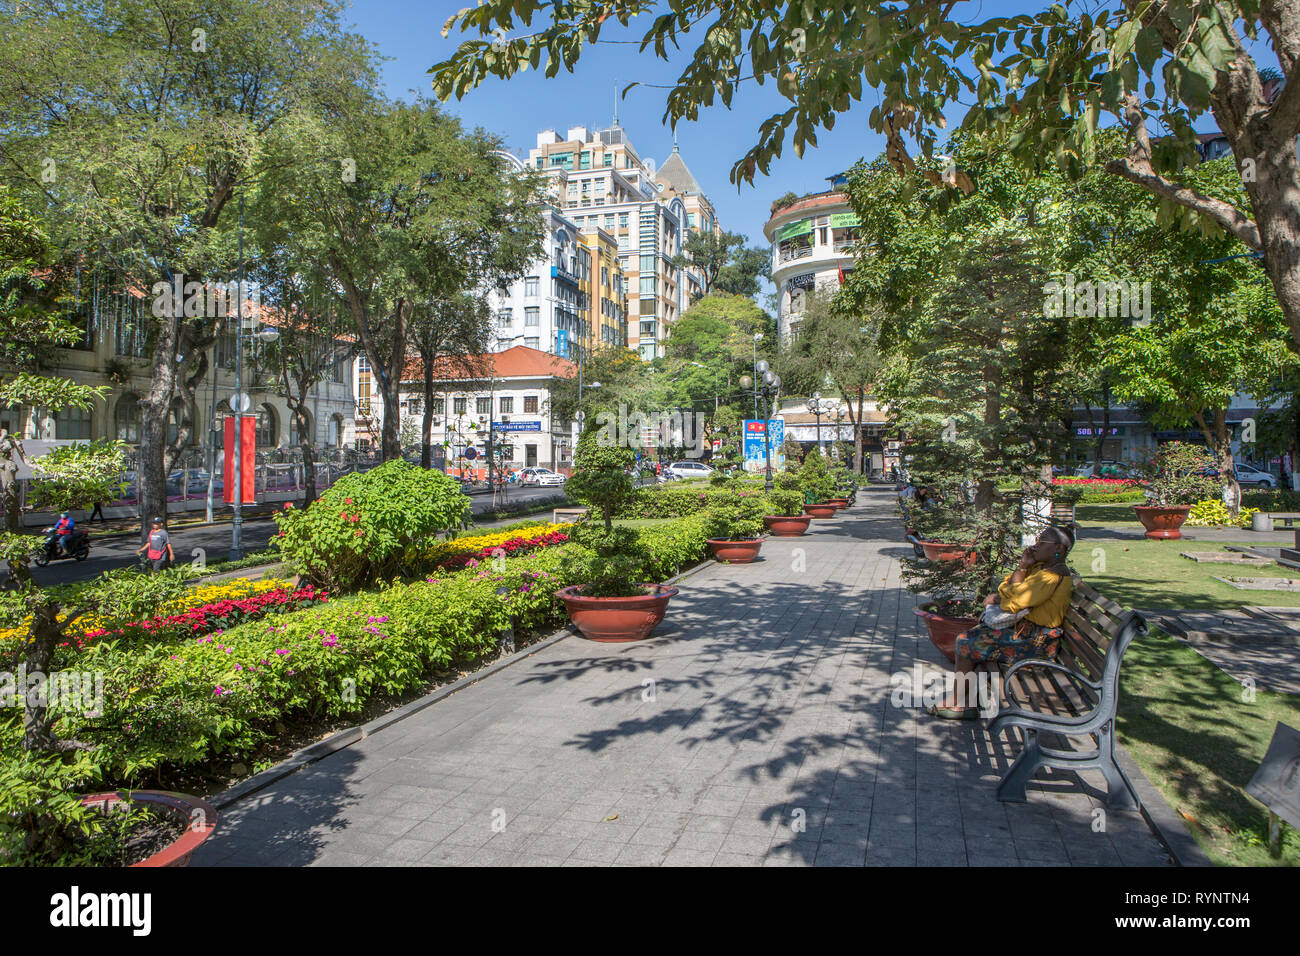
pixel 800 252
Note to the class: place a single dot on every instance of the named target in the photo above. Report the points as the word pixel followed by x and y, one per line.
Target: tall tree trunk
pixel 151 468
pixel 1100 445
pixel 299 411
pixel 10 450
pixel 426 424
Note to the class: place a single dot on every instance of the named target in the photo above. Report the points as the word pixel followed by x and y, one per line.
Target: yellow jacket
pixel 1045 593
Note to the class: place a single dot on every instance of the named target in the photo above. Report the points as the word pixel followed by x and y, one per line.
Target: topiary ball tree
pixel 601 478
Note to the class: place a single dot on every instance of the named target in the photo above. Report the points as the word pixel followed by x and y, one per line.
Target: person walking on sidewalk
pixel 99 510
pixel 159 546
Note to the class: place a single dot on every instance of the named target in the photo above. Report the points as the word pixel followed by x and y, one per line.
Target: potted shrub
pixel 162 828
pixel 733 526
pixel 611 605
pixel 1174 478
pixel 817 485
pixel 787 519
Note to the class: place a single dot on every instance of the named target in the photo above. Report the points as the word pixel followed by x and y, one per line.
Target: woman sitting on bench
pixel 1022 620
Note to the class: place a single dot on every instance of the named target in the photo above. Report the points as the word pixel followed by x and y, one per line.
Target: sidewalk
pixel 754 728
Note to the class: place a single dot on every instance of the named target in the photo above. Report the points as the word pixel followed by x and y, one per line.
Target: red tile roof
pixel 517 362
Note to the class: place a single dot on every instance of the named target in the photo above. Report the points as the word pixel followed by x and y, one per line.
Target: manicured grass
pixel 1092 516
pixel 1199 742
pixel 1150 574
pixel 644 522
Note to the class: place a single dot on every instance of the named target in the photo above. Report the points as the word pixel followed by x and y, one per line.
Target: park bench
pixel 567 515
pixel 1075 696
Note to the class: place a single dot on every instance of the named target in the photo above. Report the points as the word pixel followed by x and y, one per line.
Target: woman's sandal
pixel 953 713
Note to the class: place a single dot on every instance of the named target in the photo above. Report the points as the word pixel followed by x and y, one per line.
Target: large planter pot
pixel 943 629
pixel 198 815
pixel 735 552
pixel 839 503
pixel 1162 521
pixel 616 620
pixel 823 510
pixel 784 526
pixel 937 551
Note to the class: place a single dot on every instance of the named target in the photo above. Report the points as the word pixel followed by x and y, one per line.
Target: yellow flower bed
pixel 197 597
pixel 473 544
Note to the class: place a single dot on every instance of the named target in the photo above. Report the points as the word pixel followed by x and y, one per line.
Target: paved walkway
pixel 754 728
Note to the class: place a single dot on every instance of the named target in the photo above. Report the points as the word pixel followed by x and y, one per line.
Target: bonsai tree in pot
pixel 817 485
pixel 787 519
pixel 612 604
pixel 733 525
pixel 1176 477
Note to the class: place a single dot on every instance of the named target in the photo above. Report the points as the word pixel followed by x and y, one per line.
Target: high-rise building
pixel 602 183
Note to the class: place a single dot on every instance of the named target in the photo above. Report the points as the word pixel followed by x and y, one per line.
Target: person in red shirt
pixel 63 529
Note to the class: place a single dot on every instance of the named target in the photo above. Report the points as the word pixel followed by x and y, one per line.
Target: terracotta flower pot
pixel 784 526
pixel 199 816
pixel 615 620
pixel 937 551
pixel 735 552
pixel 1162 521
pixel 823 510
pixel 839 503
pixel 944 630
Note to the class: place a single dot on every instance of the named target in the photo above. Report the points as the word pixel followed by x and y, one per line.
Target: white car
pixel 1250 475
pixel 540 476
pixel 688 469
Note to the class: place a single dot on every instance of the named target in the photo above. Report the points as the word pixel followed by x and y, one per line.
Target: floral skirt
pixel 1007 645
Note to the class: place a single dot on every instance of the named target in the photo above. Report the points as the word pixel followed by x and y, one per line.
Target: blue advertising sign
pixel 517 426
pixel 563 347
pixel 755 430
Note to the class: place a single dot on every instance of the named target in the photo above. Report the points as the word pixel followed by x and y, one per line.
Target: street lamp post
pixel 758 337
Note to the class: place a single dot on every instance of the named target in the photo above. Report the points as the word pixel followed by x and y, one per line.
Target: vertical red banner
pixel 247 464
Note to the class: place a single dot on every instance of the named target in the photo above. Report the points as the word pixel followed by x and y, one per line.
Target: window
pixel 267 430
pixel 563 160
pixel 506 316
pixel 599 188
pixel 648 328
pixel 648 285
pixel 507 404
pixel 573 190
pixel 126 418
pixel 459 405
pixel 532 342
pixel 609 159
pixel 532 314
pixel 483 406
pixel 604 275
pixel 439 406
pixel 609 222
pixel 530 285
pixel 690 220
pixel 647 263
pixel 584 159
pixel 530 404
pixel 73 424
pixel 622 220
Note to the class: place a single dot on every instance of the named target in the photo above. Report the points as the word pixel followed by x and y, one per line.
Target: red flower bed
pixel 1096 482
pixel 206 618
pixel 511 548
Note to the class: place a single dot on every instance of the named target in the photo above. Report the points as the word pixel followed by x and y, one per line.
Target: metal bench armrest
pixel 1052 665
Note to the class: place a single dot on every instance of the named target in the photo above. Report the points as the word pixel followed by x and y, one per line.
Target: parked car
pixel 1250 475
pixel 540 476
pixel 1109 469
pixel 688 469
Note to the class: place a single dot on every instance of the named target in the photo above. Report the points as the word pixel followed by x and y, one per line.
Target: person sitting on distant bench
pixel 1023 619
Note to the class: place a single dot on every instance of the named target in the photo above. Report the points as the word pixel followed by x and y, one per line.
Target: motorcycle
pixel 77 547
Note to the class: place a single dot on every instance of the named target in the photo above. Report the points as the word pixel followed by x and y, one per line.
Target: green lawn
pixel 1186 724
pixel 1092 516
pixel 1151 574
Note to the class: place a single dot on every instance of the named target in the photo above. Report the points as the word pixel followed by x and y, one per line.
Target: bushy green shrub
pixel 1213 512
pixel 372 526
pixel 669 501
pixel 600 477
pixel 815 480
pixel 787 503
pixel 737 517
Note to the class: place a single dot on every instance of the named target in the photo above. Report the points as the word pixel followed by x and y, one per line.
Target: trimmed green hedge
pixel 676 501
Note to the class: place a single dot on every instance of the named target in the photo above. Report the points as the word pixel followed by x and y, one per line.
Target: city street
pixel 108 553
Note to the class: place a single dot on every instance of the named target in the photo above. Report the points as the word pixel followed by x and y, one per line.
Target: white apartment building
pixel 812 248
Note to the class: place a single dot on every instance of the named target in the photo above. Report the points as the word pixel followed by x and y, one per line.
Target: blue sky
pixel 409 35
